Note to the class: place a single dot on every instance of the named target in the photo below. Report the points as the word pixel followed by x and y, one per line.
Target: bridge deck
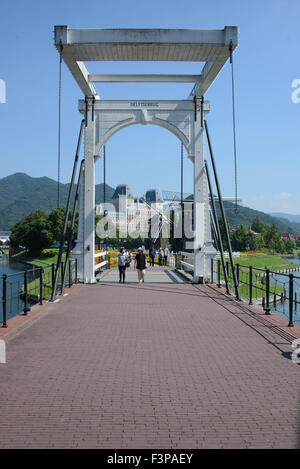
pixel 155 274
pixel 157 365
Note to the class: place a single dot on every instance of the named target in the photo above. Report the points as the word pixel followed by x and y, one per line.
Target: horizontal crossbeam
pixel 210 47
pixel 149 104
pixel 98 78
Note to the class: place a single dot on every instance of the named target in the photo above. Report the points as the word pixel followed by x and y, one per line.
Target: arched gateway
pixel 184 118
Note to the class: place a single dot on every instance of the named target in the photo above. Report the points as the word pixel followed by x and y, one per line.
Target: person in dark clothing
pixel 152 254
pixel 140 264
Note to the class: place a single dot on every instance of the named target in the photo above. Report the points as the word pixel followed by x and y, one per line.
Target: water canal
pixel 15 282
pixel 283 308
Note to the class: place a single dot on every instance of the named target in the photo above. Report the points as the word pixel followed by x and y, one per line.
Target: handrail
pixel 275 272
pixel 186 254
pixel 261 281
pixel 26 287
pixel 186 264
pixel 100 254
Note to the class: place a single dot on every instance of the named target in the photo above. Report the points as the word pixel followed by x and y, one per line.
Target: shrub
pixel 51 252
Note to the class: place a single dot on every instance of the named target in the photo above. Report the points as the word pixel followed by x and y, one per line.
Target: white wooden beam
pixel 100 78
pixel 145 36
pixel 212 69
pixel 149 104
pixel 80 73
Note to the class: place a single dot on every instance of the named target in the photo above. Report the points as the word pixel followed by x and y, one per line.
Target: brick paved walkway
pixel 158 365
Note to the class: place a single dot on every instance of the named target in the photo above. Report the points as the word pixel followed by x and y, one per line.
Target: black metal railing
pixel 274 290
pixel 23 289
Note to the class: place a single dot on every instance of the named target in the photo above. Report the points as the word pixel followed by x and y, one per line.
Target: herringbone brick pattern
pixel 148 366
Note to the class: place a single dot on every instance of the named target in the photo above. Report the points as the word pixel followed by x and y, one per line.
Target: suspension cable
pixel 233 125
pixel 59 126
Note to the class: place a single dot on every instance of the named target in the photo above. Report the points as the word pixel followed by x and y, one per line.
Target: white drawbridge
pixel 184 118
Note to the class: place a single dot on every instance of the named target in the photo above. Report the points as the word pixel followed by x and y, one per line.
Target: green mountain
pixel 245 216
pixel 287 216
pixel 20 194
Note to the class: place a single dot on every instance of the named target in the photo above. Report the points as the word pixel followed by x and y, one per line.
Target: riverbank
pixel 264 261
pixel 260 262
pixel 38 261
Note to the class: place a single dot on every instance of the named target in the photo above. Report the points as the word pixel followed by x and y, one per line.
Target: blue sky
pixel 268 121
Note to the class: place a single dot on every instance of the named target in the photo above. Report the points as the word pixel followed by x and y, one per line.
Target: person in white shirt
pixel 161 256
pixel 122 260
pixel 166 254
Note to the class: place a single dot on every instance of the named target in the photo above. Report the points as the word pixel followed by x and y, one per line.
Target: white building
pixel 132 215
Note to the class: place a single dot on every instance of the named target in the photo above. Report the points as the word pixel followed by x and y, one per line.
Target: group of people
pixel 140 261
pixel 163 254
pixel 140 264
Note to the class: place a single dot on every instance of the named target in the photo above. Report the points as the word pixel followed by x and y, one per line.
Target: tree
pixel 258 225
pixel 289 246
pixel 223 233
pixel 32 232
pixel 240 239
pixel 273 240
pixel 56 220
pixel 38 230
pixel 255 241
pixel 297 237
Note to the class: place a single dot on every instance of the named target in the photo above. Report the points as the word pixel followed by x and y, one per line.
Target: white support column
pixel 89 197
pixel 78 250
pixel 198 197
pixel 203 249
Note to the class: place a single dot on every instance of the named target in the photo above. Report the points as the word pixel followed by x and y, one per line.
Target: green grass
pixel 259 261
pixel 42 261
pixel 264 262
pixel 39 260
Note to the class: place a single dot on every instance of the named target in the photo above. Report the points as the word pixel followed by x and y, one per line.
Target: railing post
pixel 219 273
pixel 76 271
pixel 211 271
pixel 267 306
pixel 52 276
pixel 238 273
pixel 250 285
pixel 4 293
pixel 70 273
pixel 291 299
pixel 61 277
pixel 227 269
pixel 41 285
pixel 26 307
pixel 295 301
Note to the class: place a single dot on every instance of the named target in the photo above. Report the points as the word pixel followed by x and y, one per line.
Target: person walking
pixel 122 260
pixel 152 254
pixel 166 254
pixel 141 265
pixel 160 256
